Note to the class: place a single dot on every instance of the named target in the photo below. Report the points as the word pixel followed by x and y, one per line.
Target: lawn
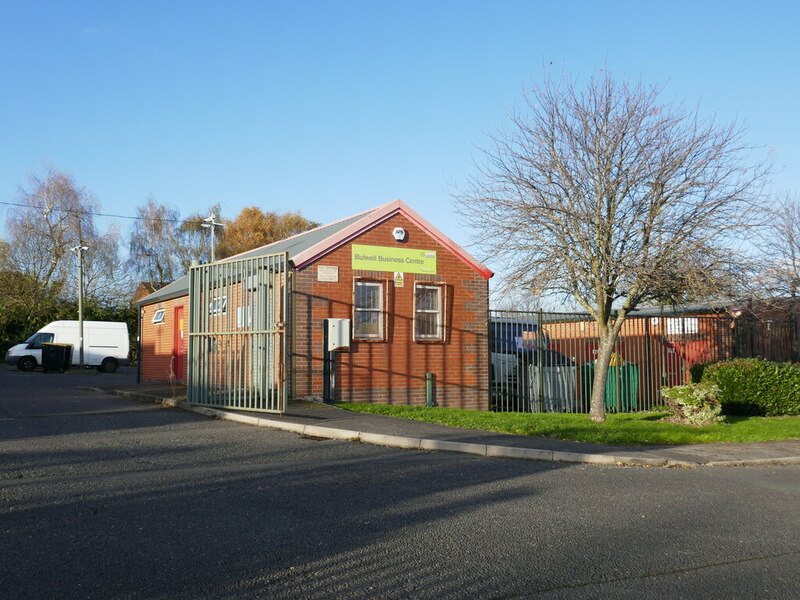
pixel 628 429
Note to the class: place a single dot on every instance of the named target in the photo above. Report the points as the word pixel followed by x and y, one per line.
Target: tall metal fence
pixel 544 361
pixel 237 334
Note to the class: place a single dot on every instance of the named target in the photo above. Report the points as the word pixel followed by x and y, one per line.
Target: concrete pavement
pixel 324 421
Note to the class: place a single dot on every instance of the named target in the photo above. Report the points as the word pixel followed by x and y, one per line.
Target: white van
pixel 105 345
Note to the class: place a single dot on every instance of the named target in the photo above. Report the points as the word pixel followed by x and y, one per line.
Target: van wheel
pixel 26 363
pixel 109 365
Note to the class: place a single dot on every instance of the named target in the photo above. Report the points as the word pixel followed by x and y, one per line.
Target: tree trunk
pixel 597 406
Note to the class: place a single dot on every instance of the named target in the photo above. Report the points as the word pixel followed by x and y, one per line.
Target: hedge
pixel 696 371
pixel 754 386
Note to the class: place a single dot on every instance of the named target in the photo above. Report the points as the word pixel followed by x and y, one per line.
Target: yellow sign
pixel 399 279
pixel 379 258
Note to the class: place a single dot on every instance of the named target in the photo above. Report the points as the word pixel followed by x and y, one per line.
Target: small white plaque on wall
pixel 328 273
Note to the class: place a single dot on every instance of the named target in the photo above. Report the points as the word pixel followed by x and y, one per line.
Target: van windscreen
pixel 39 338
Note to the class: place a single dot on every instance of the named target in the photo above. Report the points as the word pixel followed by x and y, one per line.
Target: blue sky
pixel 331 108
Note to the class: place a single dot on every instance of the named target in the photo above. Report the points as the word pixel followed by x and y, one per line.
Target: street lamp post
pixel 79 249
pixel 210 222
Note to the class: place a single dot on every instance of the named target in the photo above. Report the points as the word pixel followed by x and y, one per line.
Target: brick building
pixel 416 303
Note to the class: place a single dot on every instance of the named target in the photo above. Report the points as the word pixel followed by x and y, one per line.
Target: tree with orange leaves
pixel 254 227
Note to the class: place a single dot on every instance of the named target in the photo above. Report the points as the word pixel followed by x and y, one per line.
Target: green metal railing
pixel 545 361
pixel 238 352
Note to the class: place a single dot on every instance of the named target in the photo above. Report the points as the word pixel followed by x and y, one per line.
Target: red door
pixel 179 345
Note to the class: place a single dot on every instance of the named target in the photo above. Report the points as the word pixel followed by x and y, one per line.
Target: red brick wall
pixel 157 357
pixel 392 371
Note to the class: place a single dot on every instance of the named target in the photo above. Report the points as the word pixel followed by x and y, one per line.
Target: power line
pixel 94 214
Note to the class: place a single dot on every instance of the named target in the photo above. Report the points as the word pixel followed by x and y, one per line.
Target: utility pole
pixel 79 249
pixel 210 222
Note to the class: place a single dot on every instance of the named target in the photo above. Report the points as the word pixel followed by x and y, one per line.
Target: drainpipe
pixel 138 344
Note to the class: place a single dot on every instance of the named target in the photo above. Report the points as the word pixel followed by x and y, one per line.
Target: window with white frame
pixel 218 306
pixel 244 316
pixel 429 312
pixel 368 309
pixel 682 326
pixel 159 316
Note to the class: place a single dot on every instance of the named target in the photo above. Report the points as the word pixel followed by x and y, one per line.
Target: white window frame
pixel 682 326
pixel 244 316
pixel 440 326
pixel 159 316
pixel 218 306
pixel 380 310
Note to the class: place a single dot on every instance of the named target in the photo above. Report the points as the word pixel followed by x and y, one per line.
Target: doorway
pixel 179 345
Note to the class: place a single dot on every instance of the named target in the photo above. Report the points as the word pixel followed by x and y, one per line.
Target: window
pixel 158 316
pixel 686 325
pixel 428 312
pixel 37 339
pixel 368 310
pixel 218 306
pixel 244 316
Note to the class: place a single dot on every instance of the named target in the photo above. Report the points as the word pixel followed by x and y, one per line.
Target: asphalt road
pixel 104 497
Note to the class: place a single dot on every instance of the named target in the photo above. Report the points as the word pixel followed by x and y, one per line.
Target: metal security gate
pixel 237 334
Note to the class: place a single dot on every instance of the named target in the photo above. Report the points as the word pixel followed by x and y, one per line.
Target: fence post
pixel 539 359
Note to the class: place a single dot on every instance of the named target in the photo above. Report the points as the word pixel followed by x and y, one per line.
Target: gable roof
pixel 309 246
pixel 375 217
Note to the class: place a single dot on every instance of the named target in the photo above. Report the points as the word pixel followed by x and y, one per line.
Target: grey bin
pixel 556 390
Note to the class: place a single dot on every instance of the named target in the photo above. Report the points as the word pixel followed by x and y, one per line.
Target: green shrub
pixel 753 386
pixel 694 403
pixel 696 371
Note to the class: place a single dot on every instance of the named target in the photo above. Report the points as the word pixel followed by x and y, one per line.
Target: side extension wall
pixel 157 356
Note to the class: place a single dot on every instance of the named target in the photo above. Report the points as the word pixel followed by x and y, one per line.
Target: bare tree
pixel 153 243
pixel 107 280
pixel 195 241
pixel 516 299
pixel 54 215
pixel 38 270
pixel 163 246
pixel 780 249
pixel 603 194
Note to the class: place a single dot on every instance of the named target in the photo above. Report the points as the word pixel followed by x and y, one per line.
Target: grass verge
pixel 628 429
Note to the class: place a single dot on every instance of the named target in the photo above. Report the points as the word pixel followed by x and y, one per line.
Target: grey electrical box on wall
pixel 338 335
